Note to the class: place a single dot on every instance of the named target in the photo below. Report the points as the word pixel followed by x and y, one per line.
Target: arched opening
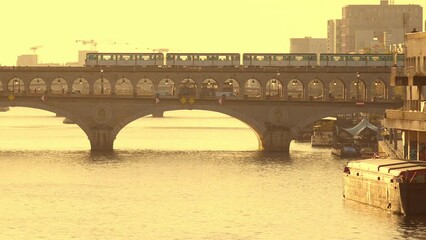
pixel 316 90
pixel 252 89
pixel 123 87
pixel 145 88
pixel 166 87
pixel 37 86
pixel 59 86
pixel 34 129
pixel 16 85
pixel 80 86
pixel 295 89
pixel 357 89
pixel 336 90
pixel 273 89
pixel 209 88
pixel 188 88
pixel 102 87
pixel 231 87
pixel 189 130
pixel 378 90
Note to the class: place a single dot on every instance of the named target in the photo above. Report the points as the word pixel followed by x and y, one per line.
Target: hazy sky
pixel 180 25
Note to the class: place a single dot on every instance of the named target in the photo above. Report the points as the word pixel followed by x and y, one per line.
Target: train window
pixel 279 58
pixel 184 57
pixel 92 56
pixel 126 57
pixel 144 57
pixel 298 58
pixel 222 57
pixel 337 58
pixel 107 57
pixel 247 57
pixel 260 58
pixel 375 58
pixel 356 59
pixel 202 58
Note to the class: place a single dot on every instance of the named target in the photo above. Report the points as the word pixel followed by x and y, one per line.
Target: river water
pixel 189 175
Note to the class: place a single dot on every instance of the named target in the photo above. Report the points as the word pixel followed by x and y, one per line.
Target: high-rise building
pixel 374 28
pixel 308 45
pixel 334 36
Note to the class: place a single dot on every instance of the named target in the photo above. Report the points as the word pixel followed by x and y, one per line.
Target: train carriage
pixel 124 59
pixel 356 60
pixel 380 60
pixel 302 59
pixel 279 59
pixel 149 59
pixel 203 59
pixel 332 60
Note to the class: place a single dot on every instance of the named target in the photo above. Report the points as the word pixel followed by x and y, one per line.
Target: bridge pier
pixel 276 139
pixel 158 113
pixel 102 140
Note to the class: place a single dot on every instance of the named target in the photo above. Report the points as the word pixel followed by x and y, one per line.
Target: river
pixel 189 175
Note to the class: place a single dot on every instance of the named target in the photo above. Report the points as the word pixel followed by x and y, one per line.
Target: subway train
pixel 247 60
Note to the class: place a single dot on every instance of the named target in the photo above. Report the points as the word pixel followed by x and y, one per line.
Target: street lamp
pixel 357 83
pixel 102 82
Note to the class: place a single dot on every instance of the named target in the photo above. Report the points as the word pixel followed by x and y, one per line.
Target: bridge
pixel 275 102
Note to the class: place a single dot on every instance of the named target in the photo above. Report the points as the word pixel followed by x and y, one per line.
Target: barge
pixel 398 186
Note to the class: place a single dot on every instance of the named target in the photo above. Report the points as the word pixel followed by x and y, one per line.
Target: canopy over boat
pixel 364 124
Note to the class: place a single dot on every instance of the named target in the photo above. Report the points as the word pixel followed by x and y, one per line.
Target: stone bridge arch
pixel 315 116
pixel 257 127
pixel 58 111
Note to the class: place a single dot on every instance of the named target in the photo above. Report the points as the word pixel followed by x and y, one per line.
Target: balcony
pixel 405 115
pixel 405 120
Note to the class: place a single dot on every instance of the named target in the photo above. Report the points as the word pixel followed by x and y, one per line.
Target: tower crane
pixel 91 42
pixel 34 49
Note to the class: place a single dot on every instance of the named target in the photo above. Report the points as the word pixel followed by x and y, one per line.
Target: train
pixel 245 59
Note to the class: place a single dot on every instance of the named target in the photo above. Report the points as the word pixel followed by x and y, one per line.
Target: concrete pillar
pixel 113 87
pixel 348 92
pixel 101 139
pixel 284 90
pixel 276 139
pixel 326 92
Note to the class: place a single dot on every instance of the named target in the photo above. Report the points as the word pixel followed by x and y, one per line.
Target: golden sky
pixel 180 25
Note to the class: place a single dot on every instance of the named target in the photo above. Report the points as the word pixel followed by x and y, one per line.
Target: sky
pixel 179 25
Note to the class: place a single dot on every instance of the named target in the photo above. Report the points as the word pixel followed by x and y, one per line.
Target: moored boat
pixel 323 133
pixel 345 150
pixel 395 185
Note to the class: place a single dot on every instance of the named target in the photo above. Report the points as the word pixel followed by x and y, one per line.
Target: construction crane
pixel 91 42
pixel 34 49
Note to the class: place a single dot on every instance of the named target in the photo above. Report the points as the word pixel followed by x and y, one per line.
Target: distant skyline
pixel 182 26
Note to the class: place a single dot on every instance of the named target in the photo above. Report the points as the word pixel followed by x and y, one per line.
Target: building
pixel 308 45
pixel 411 119
pixel 27 60
pixel 334 36
pixel 374 28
